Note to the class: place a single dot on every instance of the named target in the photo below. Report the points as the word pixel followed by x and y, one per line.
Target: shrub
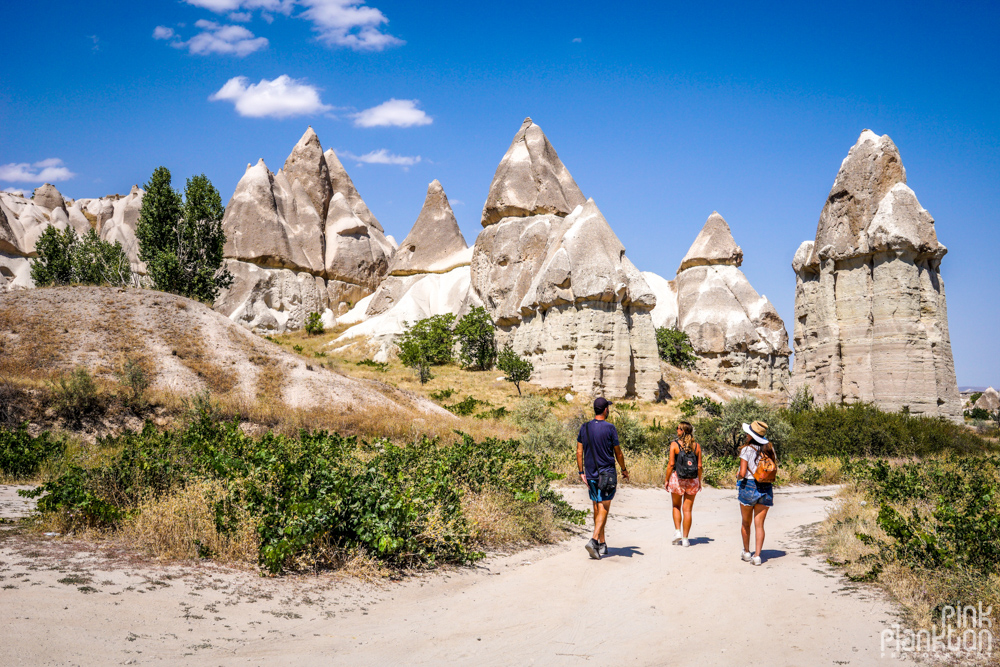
pixel 134 379
pixel 862 429
pixel 633 436
pixel 675 347
pixel 426 343
pixel 542 431
pixel 465 407
pixel 442 395
pixel 724 435
pixel 314 324
pixel 475 334
pixel 515 369
pixel 801 401
pixel 21 456
pixel 311 497
pixel 380 366
pixel 978 413
pixel 689 407
pixel 74 395
pixel 54 265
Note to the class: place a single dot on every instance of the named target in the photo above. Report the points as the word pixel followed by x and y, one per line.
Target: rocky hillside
pixel 186 346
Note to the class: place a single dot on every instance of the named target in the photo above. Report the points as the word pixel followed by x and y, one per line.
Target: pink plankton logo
pixel 963 630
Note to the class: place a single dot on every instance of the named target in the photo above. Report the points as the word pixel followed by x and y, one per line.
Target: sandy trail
pixel 647 603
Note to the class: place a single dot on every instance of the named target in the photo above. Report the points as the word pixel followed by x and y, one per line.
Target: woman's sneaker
pixel 677 536
pixel 746 556
pixel 756 560
pixel 602 549
pixel 685 542
pixel 593 548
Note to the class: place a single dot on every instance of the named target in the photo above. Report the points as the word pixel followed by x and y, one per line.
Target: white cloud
pixel 225 39
pixel 241 17
pixel 282 98
pixel 349 23
pixel 382 156
pixel 96 42
pixel 45 171
pixel 393 113
pixel 162 32
pixel 14 191
pixel 577 40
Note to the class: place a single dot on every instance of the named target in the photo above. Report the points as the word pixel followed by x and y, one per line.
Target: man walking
pixel 596 451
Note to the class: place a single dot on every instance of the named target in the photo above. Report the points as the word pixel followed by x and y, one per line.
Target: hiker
pixel 755 482
pixel 683 478
pixel 596 451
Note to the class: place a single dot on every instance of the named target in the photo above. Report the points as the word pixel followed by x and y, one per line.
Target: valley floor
pixel 647 603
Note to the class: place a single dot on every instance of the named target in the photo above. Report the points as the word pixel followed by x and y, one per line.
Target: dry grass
pixel 181 526
pixel 499 521
pixel 191 352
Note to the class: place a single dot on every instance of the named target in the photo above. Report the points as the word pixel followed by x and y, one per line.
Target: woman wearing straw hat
pixel 758 466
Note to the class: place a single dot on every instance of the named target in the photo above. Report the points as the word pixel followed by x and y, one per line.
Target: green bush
pixel 515 369
pixel 476 343
pixel 465 407
pixel 633 436
pixel 978 413
pixel 314 324
pixel 380 366
pixel 862 429
pixel 675 347
pixel 21 456
pixel 315 493
pixel 75 395
pixel 543 433
pixel 442 395
pixel 689 407
pixel 427 343
pixel 723 435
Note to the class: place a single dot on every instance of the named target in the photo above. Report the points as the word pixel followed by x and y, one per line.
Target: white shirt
pixel 751 454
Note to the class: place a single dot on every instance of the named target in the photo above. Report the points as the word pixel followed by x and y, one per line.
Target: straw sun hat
pixel 756 430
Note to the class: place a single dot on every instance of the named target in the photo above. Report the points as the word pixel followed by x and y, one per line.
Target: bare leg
pixel 677 510
pixel 747 516
pixel 759 513
pixel 688 504
pixel 600 519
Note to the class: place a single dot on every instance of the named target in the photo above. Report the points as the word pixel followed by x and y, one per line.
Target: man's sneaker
pixel 603 549
pixel 746 556
pixel 756 560
pixel 677 536
pixel 685 542
pixel 593 548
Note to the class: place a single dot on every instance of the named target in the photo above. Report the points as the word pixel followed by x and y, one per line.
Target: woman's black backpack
pixel 686 463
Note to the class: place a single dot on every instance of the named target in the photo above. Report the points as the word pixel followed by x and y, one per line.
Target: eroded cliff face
pixel 871 320
pixel 554 277
pixel 299 241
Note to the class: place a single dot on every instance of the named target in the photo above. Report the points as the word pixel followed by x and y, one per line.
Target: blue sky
pixel 662 113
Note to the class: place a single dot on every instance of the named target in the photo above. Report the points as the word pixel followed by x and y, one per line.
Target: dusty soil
pixel 647 603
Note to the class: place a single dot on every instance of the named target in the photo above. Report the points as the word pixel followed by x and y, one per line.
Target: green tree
pixel 54 264
pixel 675 347
pixel 314 324
pixel 182 241
pixel 64 258
pixel 515 369
pixel 476 342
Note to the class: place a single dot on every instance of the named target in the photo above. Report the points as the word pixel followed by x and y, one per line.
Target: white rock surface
pixel 735 332
pixel 989 401
pixel 555 279
pixel 870 309
pixel 665 291
pixel 299 241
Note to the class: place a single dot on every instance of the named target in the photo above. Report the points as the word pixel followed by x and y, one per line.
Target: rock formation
pixel 989 401
pixel 735 332
pixel 22 222
pixel 299 241
pixel 428 275
pixel 871 322
pixel 555 279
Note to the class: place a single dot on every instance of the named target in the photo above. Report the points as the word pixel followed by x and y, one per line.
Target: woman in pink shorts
pixel 683 478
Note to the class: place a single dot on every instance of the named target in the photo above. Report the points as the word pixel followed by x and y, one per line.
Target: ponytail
pixel 686 441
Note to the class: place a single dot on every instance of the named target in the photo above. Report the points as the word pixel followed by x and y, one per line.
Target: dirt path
pixel 648 603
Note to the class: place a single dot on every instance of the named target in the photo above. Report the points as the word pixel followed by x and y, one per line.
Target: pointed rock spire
pixel 714 245
pixel 341 182
pixel 870 170
pixel 530 180
pixel 435 238
pixel 307 165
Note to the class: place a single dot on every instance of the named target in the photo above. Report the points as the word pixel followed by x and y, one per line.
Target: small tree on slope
pixel 515 369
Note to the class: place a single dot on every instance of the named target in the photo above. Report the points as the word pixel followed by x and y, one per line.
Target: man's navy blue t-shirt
pixel 599 440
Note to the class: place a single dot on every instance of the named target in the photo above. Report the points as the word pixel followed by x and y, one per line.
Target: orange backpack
pixel 767 468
